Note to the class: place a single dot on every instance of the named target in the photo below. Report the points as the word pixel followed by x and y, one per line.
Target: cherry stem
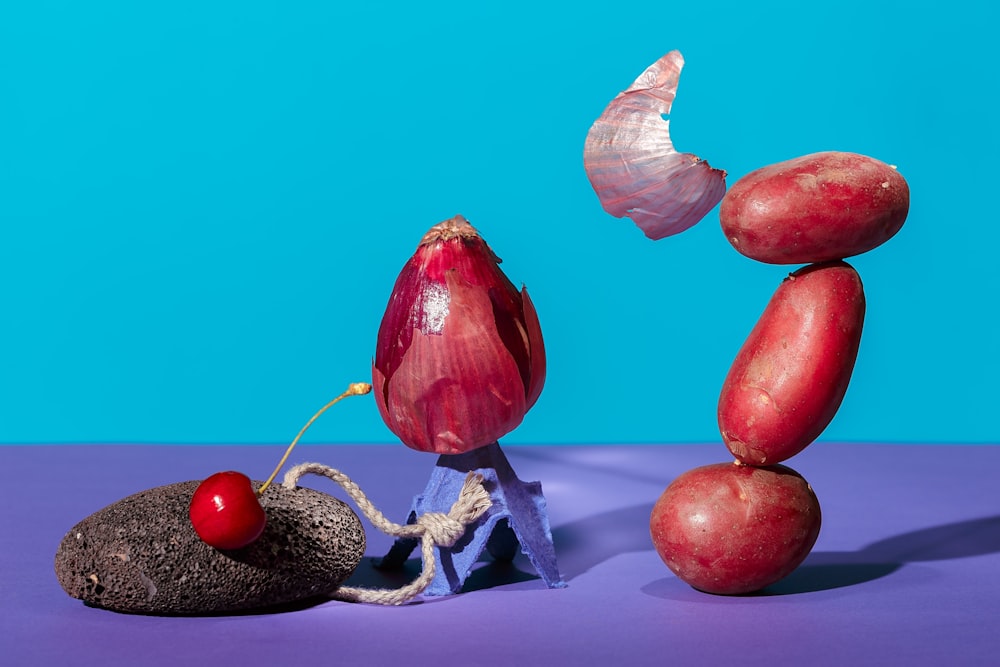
pixel 355 389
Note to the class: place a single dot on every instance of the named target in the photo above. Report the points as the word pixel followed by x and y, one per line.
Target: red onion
pixel 460 358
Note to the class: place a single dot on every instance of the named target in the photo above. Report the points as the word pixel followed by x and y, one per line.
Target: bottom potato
pixel 730 528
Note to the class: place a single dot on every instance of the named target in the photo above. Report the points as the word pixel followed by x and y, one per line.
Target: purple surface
pixel 906 569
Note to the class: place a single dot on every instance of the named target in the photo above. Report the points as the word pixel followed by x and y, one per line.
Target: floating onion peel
pixel 633 166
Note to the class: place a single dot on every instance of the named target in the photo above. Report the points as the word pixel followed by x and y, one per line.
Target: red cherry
pixel 225 511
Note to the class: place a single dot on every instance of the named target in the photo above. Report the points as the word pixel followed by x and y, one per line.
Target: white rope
pixel 433 529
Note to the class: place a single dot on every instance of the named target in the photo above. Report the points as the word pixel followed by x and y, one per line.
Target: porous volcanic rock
pixel 142 555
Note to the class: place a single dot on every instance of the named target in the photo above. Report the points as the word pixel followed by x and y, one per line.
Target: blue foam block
pixel 517 516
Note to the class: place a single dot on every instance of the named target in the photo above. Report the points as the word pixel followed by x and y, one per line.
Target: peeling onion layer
pixel 633 166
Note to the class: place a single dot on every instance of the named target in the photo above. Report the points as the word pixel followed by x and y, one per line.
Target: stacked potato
pixel 736 528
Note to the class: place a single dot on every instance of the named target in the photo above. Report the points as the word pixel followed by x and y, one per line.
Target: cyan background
pixel 203 206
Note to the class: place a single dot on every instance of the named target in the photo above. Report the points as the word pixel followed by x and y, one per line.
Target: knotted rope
pixel 433 529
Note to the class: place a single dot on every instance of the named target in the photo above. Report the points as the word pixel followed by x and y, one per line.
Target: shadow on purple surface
pixel 828 570
pixel 962 539
pixel 489 573
pixel 584 544
pixel 580 546
pixel 283 608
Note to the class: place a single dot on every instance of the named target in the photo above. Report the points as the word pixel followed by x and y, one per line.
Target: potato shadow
pixel 588 542
pixel 584 544
pixel 834 569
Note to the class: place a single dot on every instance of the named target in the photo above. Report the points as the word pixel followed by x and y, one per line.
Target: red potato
pixel 730 529
pixel 790 376
pixel 815 208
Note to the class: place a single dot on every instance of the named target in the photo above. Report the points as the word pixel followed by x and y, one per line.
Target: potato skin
pixel 790 376
pixel 815 208
pixel 730 529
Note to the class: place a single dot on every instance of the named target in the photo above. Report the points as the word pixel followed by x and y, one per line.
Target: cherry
pixel 225 511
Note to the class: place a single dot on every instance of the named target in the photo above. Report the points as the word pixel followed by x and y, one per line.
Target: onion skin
pixel 632 163
pixel 815 208
pixel 460 357
pixel 731 529
pixel 791 375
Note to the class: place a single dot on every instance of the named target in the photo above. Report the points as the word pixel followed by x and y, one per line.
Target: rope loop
pixel 441 528
pixel 434 529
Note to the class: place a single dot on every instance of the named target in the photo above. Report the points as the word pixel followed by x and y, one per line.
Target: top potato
pixel 815 208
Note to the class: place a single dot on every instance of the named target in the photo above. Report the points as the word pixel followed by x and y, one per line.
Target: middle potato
pixel 790 376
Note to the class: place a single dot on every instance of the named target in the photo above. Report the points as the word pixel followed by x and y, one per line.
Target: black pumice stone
pixel 141 555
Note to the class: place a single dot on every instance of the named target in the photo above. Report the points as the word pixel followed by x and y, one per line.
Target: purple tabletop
pixel 906 569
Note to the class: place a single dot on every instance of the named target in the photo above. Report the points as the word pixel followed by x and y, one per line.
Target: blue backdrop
pixel 203 206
